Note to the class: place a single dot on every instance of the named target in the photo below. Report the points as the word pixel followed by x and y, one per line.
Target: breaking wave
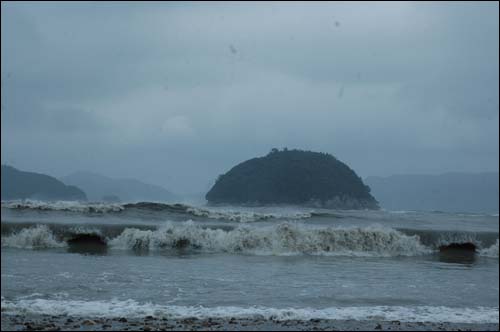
pixel 38 237
pixel 245 216
pixel 134 309
pixel 101 208
pixel 281 239
pixel 70 206
pixel 490 252
pixel 284 238
pixel 44 237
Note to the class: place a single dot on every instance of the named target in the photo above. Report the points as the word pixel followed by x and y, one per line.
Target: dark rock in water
pixel 87 244
pixel 458 253
pixel 87 238
pixel 17 184
pixel 181 243
pixel 293 177
pixel 467 246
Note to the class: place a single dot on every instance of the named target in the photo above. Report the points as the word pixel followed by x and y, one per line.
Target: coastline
pixel 149 323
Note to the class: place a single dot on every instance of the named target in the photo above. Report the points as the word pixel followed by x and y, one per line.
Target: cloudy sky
pixel 178 93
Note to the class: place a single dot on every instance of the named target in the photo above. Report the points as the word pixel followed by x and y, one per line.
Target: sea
pixel 282 262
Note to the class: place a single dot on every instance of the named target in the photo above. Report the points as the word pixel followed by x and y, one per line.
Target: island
pixel 17 184
pixel 292 177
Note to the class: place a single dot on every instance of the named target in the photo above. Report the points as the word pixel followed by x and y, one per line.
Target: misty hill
pixel 450 192
pixel 293 177
pixel 102 188
pixel 17 184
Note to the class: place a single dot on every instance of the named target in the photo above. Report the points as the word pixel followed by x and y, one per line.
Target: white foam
pixel 73 206
pixel 133 309
pixel 400 211
pixel 282 239
pixel 491 251
pixel 37 237
pixel 79 229
pixel 245 216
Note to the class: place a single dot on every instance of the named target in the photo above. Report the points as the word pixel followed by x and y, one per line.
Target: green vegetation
pixel 17 184
pixel 293 177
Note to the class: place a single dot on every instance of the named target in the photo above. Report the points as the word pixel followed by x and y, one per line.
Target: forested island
pixel 293 177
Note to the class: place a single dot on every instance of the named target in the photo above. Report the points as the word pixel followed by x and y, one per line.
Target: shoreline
pixel 149 323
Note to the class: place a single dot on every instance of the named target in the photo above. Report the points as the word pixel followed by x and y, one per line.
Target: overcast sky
pixel 176 94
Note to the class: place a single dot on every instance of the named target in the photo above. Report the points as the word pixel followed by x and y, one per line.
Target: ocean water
pixel 172 260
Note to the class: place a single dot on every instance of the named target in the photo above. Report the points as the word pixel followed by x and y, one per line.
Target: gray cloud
pixel 176 93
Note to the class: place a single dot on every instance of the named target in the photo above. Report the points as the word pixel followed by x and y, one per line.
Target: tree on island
pixel 293 177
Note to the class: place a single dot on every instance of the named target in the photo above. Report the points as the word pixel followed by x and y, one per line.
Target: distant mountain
pixel 102 188
pixel 293 177
pixel 17 184
pixel 450 192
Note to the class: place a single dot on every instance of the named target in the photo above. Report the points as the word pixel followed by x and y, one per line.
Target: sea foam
pixel 491 251
pixel 133 309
